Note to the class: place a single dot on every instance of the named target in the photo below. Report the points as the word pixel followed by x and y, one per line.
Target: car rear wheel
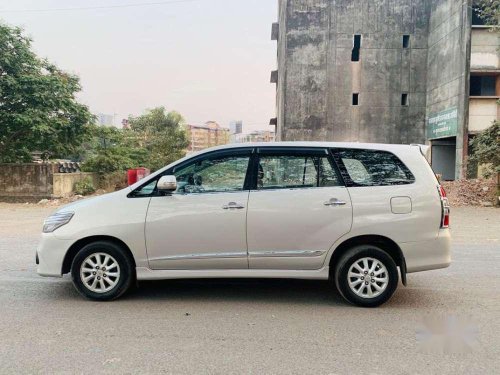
pixel 366 276
pixel 102 271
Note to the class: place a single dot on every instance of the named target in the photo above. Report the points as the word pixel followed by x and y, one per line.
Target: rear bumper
pixel 50 255
pixel 428 255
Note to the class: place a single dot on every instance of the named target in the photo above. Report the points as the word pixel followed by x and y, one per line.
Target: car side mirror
pixel 167 184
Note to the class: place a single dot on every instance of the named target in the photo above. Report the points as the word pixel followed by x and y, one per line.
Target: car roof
pixel 371 146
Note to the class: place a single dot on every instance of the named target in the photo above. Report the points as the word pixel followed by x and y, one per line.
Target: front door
pixel 203 224
pixel 298 209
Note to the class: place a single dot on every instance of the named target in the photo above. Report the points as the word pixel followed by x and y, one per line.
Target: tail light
pixel 445 208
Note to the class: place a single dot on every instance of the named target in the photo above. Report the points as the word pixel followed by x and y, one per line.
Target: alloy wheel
pixel 100 272
pixel 368 277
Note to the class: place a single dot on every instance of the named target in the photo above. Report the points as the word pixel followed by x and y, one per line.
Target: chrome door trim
pixel 286 253
pixel 210 192
pixel 295 188
pixel 238 254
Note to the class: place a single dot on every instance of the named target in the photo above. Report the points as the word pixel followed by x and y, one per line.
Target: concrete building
pixel 235 130
pixel 484 77
pixel 390 71
pixel 255 136
pixel 236 127
pixel 208 135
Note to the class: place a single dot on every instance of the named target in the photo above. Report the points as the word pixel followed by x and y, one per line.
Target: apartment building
pixel 208 135
pixel 255 136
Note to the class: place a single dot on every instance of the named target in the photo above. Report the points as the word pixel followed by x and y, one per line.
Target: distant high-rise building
pixel 104 119
pixel 208 135
pixel 236 127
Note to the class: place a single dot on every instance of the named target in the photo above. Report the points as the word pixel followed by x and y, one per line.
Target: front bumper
pixel 50 255
pixel 428 255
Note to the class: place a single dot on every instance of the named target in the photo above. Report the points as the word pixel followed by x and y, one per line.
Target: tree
pixel 488 10
pixel 162 135
pixel 154 140
pixel 486 149
pixel 107 151
pixel 38 108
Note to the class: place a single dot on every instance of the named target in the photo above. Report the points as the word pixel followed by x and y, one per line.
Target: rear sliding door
pixel 298 208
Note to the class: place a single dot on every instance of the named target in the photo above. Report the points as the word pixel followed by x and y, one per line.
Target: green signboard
pixel 443 124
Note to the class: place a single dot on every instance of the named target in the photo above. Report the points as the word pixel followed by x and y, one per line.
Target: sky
pixel 207 59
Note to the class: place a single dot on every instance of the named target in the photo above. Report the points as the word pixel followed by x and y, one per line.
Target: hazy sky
pixel 208 59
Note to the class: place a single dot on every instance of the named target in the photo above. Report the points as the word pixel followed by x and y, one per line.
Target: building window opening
pixel 482 86
pixel 477 17
pixel 406 41
pixel 355 99
pixel 404 99
pixel 356 47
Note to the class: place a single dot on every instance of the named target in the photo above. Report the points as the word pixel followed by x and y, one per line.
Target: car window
pixel 294 171
pixel 374 168
pixel 212 175
pixel 146 190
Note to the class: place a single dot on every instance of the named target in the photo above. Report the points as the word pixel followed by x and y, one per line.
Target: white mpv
pixel 347 212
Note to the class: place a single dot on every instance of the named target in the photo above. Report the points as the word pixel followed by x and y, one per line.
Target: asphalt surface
pixel 444 322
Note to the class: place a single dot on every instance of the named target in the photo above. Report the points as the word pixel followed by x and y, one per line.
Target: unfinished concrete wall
pixel 317 78
pixel 38 181
pixel 64 183
pixel 303 69
pixel 485 46
pixel 282 73
pixel 26 180
pixel 448 65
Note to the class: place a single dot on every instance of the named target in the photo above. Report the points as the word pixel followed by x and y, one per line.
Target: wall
pixel 316 78
pixel 26 180
pixel 448 66
pixel 484 49
pixel 482 113
pixel 37 181
pixel 64 183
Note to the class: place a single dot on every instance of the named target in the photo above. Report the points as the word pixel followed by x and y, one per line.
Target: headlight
pixel 56 220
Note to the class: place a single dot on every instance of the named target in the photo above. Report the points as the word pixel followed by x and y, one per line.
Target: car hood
pixel 93 201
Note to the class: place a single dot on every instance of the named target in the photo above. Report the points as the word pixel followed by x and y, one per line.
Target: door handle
pixel 334 202
pixel 233 205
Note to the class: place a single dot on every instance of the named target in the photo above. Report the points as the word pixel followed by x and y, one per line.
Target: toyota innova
pixel 360 215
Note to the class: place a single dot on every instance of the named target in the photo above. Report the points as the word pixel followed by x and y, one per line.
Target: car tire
pixel 102 271
pixel 366 276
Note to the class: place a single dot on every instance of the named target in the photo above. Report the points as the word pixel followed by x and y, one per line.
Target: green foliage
pixel 486 149
pixel 161 134
pixel 155 139
pixel 107 151
pixel 84 186
pixel 488 10
pixel 38 108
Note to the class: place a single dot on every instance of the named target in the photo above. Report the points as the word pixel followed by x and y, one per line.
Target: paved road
pixel 250 326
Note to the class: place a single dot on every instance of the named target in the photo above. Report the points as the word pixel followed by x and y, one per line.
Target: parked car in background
pixel 360 215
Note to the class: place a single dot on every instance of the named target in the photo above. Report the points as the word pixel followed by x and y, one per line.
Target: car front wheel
pixel 366 276
pixel 102 271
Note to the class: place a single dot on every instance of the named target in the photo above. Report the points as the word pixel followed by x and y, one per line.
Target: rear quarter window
pixel 372 168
